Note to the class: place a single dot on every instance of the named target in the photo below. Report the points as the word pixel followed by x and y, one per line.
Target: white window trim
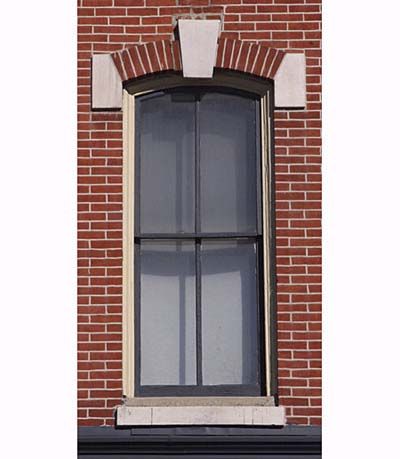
pixel 217 409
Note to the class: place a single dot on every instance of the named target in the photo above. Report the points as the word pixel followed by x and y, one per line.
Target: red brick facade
pixel 268 28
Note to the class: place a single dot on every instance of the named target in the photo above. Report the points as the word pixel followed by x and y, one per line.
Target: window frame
pixel 264 90
pixel 199 238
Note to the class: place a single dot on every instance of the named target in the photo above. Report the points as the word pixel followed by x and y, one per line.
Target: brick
pixel 105 394
pixel 307 411
pixel 294 401
pixel 104 356
pixel 129 2
pixel 106 374
pixel 105 337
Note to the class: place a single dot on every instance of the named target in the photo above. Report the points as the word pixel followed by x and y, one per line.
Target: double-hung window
pixel 198 244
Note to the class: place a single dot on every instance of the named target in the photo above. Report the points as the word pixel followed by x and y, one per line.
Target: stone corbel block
pixel 198 39
pixel 290 82
pixel 106 83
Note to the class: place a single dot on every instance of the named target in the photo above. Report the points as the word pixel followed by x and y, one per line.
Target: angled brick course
pixel 162 55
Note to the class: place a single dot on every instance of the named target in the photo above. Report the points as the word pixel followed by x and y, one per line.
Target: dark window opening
pixel 198 244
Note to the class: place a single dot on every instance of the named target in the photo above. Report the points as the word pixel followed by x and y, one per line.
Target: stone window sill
pixel 200 411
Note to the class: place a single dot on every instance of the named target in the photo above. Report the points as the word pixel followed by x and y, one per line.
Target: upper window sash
pixel 198 171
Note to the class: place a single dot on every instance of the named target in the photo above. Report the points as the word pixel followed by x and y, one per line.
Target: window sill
pixel 230 412
pixel 199 401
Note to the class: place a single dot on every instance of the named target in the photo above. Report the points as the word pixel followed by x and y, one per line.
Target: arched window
pixel 197 252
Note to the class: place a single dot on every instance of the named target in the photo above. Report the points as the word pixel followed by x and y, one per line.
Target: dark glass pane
pixel 227 163
pixel 229 312
pixel 166 148
pixel 167 313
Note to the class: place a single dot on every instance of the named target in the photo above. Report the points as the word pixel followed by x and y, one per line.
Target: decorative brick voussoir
pixel 163 55
pixel 248 57
pixel 148 58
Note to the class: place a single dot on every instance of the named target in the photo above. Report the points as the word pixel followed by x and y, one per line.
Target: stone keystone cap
pixel 198 39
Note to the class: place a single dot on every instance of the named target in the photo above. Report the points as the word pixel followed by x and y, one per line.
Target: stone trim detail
pixel 106 83
pixel 199 42
pixel 201 415
pixel 290 81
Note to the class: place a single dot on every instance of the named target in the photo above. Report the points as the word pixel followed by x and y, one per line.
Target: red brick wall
pixel 110 25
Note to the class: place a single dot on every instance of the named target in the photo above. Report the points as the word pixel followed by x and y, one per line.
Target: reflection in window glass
pixel 167 313
pixel 166 165
pixel 227 163
pixel 229 312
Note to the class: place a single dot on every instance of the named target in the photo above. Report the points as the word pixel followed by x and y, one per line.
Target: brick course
pixel 110 26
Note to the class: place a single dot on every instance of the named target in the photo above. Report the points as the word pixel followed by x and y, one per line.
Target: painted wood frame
pixel 128 350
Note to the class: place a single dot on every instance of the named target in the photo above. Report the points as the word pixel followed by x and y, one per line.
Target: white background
pixel 361 228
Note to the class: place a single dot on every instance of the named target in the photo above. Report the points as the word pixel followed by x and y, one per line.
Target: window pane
pixel 227 163
pixel 166 144
pixel 229 312
pixel 167 313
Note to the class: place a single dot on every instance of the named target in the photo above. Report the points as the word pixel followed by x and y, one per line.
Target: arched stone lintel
pixel 286 69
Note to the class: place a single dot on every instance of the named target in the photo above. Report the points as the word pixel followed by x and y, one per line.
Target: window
pixel 197 243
